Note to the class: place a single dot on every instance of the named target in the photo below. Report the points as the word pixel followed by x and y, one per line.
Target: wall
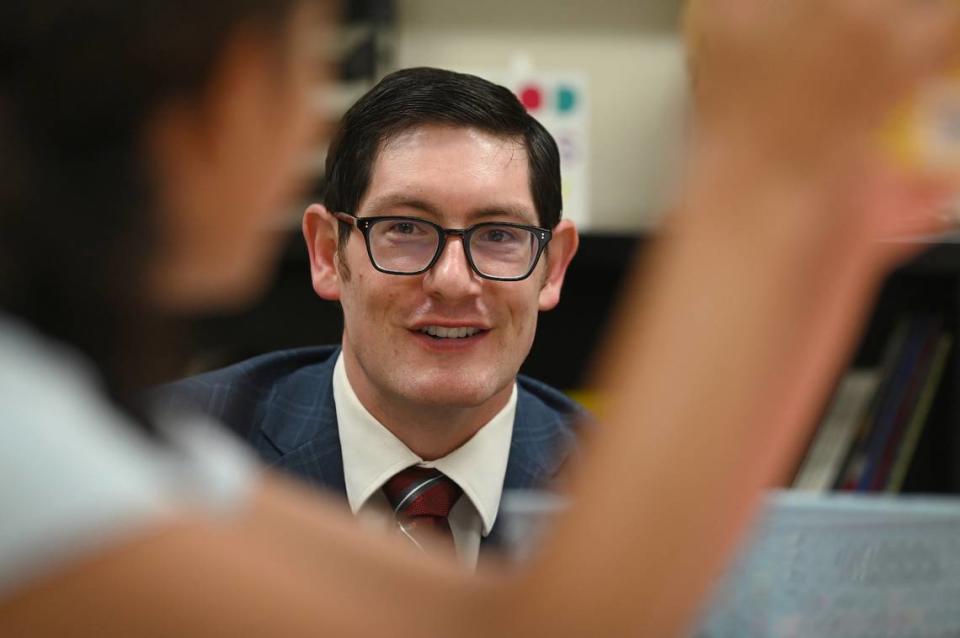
pixel 628 50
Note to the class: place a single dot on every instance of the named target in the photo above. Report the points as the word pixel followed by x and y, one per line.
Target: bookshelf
pixel 929 286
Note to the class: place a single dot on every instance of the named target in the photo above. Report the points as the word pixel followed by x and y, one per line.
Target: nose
pixel 452 277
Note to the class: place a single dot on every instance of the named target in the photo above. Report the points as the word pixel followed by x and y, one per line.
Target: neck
pixel 430 431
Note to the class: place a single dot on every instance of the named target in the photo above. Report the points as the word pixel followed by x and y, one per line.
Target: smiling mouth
pixel 439 332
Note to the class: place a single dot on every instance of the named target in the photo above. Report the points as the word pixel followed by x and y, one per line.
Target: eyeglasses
pixel 410 246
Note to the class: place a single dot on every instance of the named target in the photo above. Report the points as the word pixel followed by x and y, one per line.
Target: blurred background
pixel 607 77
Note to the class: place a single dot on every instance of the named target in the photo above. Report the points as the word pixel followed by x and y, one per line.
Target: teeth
pixel 449 333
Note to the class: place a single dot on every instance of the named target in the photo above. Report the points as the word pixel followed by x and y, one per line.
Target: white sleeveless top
pixel 76 475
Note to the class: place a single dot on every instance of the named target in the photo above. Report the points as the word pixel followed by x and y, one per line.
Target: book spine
pixel 907 408
pixel 855 459
pixel 901 399
pixel 911 436
pixel 824 461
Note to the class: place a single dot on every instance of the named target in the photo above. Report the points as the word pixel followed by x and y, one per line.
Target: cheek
pixel 300 133
pixel 278 168
pixel 366 302
pixel 287 175
pixel 524 308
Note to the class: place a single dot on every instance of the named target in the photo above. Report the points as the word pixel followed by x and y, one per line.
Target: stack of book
pixel 871 428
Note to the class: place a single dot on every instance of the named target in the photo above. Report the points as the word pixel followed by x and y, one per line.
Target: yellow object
pixel 924 134
pixel 590 399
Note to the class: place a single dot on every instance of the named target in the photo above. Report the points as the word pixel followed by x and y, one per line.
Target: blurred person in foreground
pixel 424 390
pixel 143 152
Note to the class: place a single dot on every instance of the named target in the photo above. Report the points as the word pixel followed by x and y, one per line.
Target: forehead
pixel 453 173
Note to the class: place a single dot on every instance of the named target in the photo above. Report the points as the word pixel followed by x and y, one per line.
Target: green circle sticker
pixel 566 99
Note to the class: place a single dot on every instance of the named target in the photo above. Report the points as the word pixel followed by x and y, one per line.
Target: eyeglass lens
pixel 408 246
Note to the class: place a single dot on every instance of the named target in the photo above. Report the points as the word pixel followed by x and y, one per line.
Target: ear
pixel 559 252
pixel 320 233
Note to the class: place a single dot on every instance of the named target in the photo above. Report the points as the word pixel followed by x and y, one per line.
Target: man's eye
pixel 498 235
pixel 405 228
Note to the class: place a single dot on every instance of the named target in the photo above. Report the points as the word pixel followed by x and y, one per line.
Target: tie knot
pixel 421 491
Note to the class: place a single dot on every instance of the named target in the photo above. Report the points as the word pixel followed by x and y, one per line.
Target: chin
pixel 235 299
pixel 216 292
pixel 214 280
pixel 453 393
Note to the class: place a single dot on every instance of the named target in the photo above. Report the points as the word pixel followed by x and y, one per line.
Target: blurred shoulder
pixel 254 380
pixel 81 471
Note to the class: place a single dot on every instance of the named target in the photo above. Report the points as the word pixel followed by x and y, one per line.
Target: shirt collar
pixel 372 454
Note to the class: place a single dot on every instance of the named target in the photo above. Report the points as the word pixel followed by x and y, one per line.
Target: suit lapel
pixel 301 423
pixel 538 449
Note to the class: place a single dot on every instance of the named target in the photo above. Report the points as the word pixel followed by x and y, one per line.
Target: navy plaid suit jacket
pixel 282 404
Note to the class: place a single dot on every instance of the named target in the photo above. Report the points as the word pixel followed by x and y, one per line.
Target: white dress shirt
pixel 372 455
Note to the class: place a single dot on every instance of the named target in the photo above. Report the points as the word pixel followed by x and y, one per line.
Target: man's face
pixel 455 177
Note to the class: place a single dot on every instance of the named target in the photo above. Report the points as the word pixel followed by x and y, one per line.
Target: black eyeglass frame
pixel 364 224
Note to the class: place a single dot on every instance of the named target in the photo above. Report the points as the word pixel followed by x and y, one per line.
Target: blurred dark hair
pixel 79 80
pixel 413 97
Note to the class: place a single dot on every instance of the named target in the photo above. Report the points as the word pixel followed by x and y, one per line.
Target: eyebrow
pixel 510 211
pixel 522 215
pixel 401 201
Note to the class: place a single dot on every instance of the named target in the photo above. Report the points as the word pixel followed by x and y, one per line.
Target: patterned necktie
pixel 421 499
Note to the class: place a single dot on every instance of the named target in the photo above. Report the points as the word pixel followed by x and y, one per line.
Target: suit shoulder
pixel 249 382
pixel 271 366
pixel 542 399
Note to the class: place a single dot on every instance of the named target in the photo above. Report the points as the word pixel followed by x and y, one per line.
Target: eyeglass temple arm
pixel 345 218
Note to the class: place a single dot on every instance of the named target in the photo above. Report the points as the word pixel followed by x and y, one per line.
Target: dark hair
pixel 413 97
pixel 79 80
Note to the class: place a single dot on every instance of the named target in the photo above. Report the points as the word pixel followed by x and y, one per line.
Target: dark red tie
pixel 421 499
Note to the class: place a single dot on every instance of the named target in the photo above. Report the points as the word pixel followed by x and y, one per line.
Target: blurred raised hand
pixel 793 73
pixel 797 92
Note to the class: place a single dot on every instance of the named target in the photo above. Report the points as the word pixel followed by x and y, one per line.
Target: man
pixel 440 236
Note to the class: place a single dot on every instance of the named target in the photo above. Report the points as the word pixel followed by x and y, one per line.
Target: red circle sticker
pixel 531 97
